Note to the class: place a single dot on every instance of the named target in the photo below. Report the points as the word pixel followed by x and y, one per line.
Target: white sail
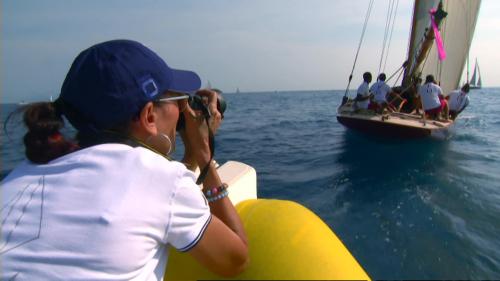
pixel 479 83
pixel 473 79
pixel 457 30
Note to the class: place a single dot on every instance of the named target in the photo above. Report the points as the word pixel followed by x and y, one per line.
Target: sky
pixel 250 45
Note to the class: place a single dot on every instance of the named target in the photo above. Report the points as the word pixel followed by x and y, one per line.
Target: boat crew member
pixel 380 90
pixel 363 97
pixel 431 97
pixel 110 204
pixel 458 100
pixel 417 104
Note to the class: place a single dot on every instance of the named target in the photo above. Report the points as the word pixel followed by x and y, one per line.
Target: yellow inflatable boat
pixel 286 242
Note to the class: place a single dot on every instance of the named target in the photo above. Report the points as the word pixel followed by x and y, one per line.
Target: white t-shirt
pixel 380 90
pixel 457 100
pixel 364 92
pixel 429 94
pixel 107 212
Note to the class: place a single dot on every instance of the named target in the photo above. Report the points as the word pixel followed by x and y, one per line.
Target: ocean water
pixel 413 209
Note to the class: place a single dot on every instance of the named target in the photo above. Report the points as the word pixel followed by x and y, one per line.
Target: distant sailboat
pixel 237 90
pixel 475 81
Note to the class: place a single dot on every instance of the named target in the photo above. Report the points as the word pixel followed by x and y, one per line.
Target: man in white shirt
pixel 380 90
pixel 363 97
pixel 458 100
pixel 431 97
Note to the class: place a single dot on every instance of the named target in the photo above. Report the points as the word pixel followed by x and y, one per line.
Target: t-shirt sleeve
pixel 466 103
pixel 360 90
pixel 190 214
pixel 388 88
pixel 372 88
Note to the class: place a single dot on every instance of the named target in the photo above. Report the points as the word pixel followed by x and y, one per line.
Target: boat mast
pixel 425 45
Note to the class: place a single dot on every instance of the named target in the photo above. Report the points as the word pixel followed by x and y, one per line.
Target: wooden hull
pixel 394 125
pixel 383 129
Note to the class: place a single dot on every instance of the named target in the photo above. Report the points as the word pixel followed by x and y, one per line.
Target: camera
pixel 198 104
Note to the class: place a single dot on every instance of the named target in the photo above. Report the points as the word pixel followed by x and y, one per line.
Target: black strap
pixel 211 144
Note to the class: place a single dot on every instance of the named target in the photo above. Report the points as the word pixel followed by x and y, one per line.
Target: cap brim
pixel 185 81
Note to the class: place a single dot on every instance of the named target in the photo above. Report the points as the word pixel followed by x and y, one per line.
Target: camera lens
pixel 196 103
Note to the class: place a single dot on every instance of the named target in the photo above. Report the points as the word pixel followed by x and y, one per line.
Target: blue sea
pixel 406 209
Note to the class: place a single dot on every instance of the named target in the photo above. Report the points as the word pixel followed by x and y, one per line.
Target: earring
pixel 163 136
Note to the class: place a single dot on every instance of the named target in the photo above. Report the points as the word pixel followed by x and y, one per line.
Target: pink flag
pixel 439 40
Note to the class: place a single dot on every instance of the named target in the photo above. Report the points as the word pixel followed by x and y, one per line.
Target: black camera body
pixel 198 104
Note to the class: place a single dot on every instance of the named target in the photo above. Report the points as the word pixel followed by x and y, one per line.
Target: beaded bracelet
pixel 216 193
pixel 216 190
pixel 218 196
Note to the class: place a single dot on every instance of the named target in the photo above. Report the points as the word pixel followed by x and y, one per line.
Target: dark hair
pixel 381 77
pixel 466 87
pixel 44 141
pixel 429 78
pixel 367 76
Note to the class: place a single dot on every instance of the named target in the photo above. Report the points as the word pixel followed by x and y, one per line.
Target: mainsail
pixel 457 30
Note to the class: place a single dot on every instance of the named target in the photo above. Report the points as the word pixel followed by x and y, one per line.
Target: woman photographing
pixel 110 205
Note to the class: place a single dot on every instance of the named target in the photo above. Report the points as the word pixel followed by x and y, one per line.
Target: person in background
pixel 380 90
pixel 417 104
pixel 363 95
pixel 458 100
pixel 111 203
pixel 432 100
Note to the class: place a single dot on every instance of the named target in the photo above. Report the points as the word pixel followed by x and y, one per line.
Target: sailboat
pixel 475 81
pixel 456 20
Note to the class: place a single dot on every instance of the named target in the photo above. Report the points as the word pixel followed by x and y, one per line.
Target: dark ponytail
pixel 43 141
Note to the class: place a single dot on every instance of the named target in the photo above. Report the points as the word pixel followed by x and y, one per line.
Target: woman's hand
pixel 195 135
pixel 210 98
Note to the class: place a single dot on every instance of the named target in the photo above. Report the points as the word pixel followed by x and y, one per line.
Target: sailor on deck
pixel 458 100
pixel 363 97
pixel 380 91
pixel 432 98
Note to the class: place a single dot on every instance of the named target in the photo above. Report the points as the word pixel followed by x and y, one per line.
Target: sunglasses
pixel 176 98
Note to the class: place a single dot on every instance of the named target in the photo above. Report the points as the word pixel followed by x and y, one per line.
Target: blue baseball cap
pixel 109 83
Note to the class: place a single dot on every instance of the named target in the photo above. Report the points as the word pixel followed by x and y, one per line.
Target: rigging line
pixel 390 36
pixel 395 72
pixel 443 35
pixel 416 53
pixel 423 64
pixel 387 40
pixel 384 42
pixel 399 76
pixel 410 33
pixel 367 16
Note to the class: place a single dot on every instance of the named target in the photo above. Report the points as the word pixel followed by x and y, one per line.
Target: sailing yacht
pixel 475 81
pixel 456 20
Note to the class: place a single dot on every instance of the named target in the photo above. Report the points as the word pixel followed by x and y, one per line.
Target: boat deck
pixel 394 124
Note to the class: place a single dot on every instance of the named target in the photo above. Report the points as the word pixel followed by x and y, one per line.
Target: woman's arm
pixel 223 247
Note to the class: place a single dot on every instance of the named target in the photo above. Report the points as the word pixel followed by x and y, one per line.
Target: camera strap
pixel 211 144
